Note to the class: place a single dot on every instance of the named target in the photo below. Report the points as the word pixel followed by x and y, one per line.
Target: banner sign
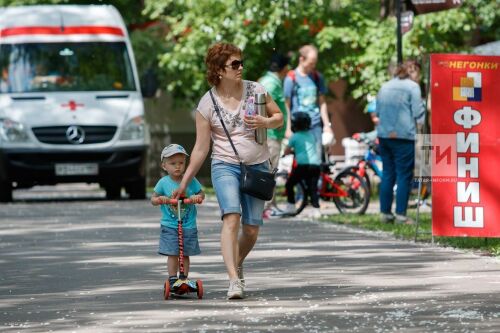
pixel 428 6
pixel 465 145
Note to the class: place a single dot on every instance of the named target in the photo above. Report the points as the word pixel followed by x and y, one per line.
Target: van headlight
pixel 134 129
pixel 12 131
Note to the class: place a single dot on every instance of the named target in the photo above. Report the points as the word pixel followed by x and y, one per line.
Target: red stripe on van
pixel 75 30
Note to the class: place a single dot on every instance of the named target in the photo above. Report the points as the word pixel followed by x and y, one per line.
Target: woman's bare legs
pixel 247 241
pixel 229 243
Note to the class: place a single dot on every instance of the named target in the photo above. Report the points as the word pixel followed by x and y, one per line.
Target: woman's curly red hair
pixel 216 58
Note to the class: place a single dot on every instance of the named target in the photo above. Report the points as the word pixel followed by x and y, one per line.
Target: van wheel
pixel 113 192
pixel 5 191
pixel 136 189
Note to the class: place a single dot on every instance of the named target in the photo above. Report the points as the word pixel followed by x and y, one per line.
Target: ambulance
pixel 71 108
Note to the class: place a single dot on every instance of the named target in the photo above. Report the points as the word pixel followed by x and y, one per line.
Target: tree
pixel 355 43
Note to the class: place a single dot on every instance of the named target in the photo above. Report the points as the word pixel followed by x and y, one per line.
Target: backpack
pixel 314 76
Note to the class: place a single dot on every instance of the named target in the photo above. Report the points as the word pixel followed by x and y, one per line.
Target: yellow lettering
pixel 480 65
pixel 460 64
pixel 452 64
pixel 473 65
pixel 494 65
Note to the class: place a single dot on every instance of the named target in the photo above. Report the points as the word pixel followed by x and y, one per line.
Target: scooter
pixel 183 285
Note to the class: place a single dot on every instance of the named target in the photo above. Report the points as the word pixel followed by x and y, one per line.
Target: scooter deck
pixel 184 286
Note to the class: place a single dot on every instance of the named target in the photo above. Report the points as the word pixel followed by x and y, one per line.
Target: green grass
pixel 489 246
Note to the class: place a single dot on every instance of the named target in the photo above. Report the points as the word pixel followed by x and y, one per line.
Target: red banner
pixel 465 147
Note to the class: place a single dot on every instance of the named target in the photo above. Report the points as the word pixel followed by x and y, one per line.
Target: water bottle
pixel 260 105
pixel 250 109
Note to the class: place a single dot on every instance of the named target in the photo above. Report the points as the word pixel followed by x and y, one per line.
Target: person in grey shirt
pixel 399 108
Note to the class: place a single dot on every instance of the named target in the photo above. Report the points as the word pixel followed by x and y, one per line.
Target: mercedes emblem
pixel 75 134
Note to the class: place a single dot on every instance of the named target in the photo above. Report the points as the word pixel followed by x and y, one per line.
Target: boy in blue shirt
pixel 303 144
pixel 173 161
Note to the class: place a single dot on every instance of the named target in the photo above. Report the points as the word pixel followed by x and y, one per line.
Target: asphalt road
pixel 90 265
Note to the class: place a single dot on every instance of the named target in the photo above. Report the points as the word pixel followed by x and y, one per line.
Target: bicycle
pixel 347 190
pixel 368 161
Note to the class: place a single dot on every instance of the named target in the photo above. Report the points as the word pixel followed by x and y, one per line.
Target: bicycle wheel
pixel 280 195
pixel 366 177
pixel 357 194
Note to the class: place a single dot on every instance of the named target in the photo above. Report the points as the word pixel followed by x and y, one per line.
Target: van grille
pixel 57 134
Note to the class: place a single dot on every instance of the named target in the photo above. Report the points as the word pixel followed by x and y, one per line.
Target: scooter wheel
pixel 199 289
pixel 166 290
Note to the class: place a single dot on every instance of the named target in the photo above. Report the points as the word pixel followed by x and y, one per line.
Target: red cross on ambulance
pixel 72 105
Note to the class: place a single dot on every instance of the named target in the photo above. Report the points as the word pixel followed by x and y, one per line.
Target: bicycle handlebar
pixel 365 140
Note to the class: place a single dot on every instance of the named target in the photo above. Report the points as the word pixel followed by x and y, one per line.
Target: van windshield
pixel 87 66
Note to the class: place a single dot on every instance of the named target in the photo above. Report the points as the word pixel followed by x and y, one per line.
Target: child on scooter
pixel 303 144
pixel 173 161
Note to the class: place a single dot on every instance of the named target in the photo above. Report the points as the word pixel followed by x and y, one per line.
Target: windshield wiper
pixel 27 98
pixel 111 96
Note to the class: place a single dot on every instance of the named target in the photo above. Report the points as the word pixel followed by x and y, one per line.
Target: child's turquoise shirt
pixel 304 145
pixel 166 186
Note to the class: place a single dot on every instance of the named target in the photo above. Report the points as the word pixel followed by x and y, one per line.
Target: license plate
pixel 76 169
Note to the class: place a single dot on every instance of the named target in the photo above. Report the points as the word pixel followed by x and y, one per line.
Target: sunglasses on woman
pixel 235 64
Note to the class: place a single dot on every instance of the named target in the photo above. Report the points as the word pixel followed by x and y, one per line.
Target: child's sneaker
pixel 316 213
pixel 239 269
pixel 235 290
pixel 290 208
pixel 172 280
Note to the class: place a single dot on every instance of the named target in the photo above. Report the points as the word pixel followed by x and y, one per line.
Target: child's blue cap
pixel 172 150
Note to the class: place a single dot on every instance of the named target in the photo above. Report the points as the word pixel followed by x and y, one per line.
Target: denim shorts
pixel 169 242
pixel 226 182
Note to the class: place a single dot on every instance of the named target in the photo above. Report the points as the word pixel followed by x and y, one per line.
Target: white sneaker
pixel 316 213
pixel 403 219
pixel 290 208
pixel 239 269
pixel 235 290
pixel 387 218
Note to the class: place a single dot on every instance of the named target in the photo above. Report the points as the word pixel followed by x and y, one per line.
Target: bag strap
pixel 224 125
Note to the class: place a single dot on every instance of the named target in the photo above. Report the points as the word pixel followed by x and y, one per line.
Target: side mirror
pixel 149 83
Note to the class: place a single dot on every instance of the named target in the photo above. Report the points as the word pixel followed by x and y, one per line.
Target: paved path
pixel 91 266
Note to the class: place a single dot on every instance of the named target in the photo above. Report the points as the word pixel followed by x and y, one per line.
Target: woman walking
pixel 234 98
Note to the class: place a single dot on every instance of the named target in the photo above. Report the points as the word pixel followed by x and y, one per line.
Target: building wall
pixel 347 115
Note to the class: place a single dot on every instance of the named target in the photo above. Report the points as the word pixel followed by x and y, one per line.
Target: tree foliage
pixel 355 43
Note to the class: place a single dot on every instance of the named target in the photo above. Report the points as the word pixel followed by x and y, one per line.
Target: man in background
pixel 305 92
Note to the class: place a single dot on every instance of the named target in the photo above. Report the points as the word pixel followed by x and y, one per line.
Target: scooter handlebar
pixel 168 201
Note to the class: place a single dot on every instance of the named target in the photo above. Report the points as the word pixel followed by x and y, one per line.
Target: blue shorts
pixel 169 242
pixel 226 182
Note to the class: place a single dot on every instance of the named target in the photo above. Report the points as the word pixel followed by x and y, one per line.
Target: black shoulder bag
pixel 259 184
